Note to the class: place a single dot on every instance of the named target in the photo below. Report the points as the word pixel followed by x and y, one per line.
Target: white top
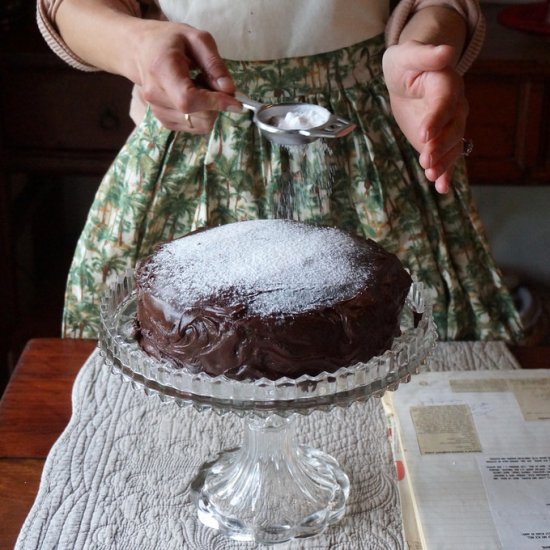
pixel 275 29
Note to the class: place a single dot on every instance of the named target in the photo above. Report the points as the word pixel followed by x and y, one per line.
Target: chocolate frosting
pixel 222 330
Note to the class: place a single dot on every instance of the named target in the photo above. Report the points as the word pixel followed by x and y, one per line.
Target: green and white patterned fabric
pixel 164 184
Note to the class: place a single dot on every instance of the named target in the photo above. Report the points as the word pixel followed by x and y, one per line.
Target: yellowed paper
pixel 481 385
pixel 448 491
pixel 533 397
pixel 445 429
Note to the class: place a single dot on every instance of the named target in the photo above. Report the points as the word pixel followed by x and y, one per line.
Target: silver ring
pixel 467 147
pixel 188 120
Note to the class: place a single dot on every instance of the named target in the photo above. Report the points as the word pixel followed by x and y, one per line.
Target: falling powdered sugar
pixel 269 266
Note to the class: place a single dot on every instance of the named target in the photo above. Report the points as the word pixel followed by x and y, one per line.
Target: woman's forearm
pixel 437 25
pixel 158 56
pixel 104 33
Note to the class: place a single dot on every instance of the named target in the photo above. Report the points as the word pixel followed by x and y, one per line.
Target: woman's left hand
pixel 428 102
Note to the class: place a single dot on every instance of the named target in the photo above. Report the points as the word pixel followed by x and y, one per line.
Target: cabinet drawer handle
pixel 108 120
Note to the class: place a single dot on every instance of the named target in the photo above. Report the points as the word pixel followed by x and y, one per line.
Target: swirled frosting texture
pixel 269 298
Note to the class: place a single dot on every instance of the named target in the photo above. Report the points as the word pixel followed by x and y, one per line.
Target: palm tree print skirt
pixel 164 184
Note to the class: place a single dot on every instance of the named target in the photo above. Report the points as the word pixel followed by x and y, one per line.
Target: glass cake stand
pixel 271 489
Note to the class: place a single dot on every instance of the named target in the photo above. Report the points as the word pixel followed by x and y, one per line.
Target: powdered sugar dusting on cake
pixel 270 266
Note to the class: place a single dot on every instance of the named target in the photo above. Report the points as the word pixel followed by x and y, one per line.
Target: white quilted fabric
pixel 118 477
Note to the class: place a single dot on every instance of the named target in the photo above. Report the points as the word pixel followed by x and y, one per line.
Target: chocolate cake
pixel 269 298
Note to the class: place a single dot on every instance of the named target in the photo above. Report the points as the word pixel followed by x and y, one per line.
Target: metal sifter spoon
pixel 295 123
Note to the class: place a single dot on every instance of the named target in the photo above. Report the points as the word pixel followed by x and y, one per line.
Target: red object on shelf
pixel 527 17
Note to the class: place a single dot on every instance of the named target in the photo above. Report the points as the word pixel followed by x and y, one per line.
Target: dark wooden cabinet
pixel 508 89
pixel 57 119
pixel 57 123
pixel 54 118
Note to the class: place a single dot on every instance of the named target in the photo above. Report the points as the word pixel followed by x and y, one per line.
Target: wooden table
pixel 34 410
pixel 37 406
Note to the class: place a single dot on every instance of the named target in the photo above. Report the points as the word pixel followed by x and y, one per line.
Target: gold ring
pixel 467 147
pixel 188 120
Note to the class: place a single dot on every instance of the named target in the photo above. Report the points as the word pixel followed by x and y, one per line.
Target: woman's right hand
pixel 157 56
pixel 166 54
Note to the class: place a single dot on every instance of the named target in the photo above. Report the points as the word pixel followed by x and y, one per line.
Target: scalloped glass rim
pixel 408 352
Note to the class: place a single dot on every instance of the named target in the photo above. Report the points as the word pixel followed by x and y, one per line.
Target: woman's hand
pixel 428 102
pixel 165 56
pixel 157 56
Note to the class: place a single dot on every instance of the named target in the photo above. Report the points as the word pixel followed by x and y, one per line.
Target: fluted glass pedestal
pixel 270 489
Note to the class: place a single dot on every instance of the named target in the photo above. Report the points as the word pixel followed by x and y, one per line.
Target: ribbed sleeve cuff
pixel 469 9
pixel 45 19
pixel 45 16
